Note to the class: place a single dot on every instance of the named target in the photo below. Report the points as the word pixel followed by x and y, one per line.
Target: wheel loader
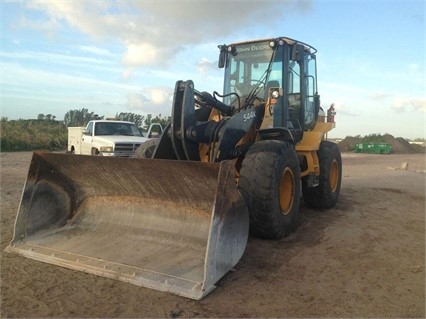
pixel 177 217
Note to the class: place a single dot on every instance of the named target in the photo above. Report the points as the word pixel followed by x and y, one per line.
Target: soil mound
pixel 399 144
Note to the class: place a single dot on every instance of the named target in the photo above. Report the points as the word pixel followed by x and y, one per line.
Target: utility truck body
pixel 106 138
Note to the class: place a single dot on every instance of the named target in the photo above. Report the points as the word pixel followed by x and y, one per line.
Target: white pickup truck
pixel 108 138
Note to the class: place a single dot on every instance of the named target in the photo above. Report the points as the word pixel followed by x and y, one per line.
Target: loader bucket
pixel 175 226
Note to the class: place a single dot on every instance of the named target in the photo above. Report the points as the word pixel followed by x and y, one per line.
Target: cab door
pixel 311 98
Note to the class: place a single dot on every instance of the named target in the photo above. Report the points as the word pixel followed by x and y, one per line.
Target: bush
pixel 29 135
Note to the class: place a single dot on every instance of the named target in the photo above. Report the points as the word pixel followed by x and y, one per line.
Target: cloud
pixel 136 101
pixel 89 17
pixel 154 100
pixel 399 104
pixel 342 109
pixel 205 66
pixel 96 50
pixel 76 61
pixel 140 54
pixel 153 32
pixel 63 90
pixel 403 104
pixel 379 95
pixel 160 96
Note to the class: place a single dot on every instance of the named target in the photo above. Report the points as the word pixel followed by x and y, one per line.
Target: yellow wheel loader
pixel 178 217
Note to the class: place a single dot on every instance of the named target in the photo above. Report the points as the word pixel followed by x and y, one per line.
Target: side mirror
pixel 86 132
pixel 224 54
pixel 222 57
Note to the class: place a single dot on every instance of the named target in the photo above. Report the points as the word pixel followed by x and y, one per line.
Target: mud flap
pixel 175 226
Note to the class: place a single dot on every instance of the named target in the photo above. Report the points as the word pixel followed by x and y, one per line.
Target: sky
pixel 126 56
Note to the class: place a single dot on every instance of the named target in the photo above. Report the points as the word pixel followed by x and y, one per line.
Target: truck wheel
pixel 325 195
pixel 270 184
pixel 147 148
pixel 95 152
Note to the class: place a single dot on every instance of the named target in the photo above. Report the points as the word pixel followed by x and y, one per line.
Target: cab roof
pixel 285 39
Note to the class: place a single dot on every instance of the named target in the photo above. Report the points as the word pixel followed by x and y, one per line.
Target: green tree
pixel 157 119
pixel 80 117
pixel 47 117
pixel 131 117
pixel 50 117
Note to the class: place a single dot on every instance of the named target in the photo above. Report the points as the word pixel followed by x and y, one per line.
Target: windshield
pixel 115 128
pixel 249 69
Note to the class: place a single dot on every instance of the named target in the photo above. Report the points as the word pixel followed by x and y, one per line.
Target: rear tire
pixel 147 148
pixel 325 195
pixel 270 184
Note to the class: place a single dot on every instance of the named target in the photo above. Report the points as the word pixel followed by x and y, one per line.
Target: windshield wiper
pixel 261 84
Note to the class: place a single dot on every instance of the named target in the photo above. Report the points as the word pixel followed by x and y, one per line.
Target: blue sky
pixel 125 56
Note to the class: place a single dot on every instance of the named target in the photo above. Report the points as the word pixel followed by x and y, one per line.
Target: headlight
pixel 106 149
pixel 275 94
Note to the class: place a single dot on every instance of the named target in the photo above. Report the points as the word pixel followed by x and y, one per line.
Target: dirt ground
pixel 363 258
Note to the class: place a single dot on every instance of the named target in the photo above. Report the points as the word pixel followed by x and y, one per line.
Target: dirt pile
pixel 399 144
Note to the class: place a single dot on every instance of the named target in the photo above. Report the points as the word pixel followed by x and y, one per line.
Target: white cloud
pixel 140 54
pixel 379 95
pixel 63 90
pixel 342 109
pixel 90 17
pixel 152 100
pixel 96 50
pixel 145 26
pixel 136 101
pixel 72 60
pixel 159 96
pixel 404 104
pixel 205 66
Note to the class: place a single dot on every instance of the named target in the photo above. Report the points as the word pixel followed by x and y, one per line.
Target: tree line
pixel 47 133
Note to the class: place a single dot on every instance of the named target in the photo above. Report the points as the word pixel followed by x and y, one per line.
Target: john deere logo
pixel 253 47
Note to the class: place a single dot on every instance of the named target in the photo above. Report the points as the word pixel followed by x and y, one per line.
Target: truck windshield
pixel 126 129
pixel 250 70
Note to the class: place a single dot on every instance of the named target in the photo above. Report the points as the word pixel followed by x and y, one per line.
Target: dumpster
pixel 373 148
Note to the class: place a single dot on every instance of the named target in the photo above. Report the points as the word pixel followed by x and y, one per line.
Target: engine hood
pixel 118 139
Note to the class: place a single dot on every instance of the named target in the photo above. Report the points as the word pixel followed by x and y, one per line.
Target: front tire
pixel 270 184
pixel 325 195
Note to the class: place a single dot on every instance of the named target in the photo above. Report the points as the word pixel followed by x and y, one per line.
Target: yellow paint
pixel 309 145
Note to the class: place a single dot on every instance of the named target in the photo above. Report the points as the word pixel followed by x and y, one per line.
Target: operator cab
pixel 281 70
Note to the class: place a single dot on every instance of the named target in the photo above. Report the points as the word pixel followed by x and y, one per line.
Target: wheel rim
pixel 334 176
pixel 286 191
